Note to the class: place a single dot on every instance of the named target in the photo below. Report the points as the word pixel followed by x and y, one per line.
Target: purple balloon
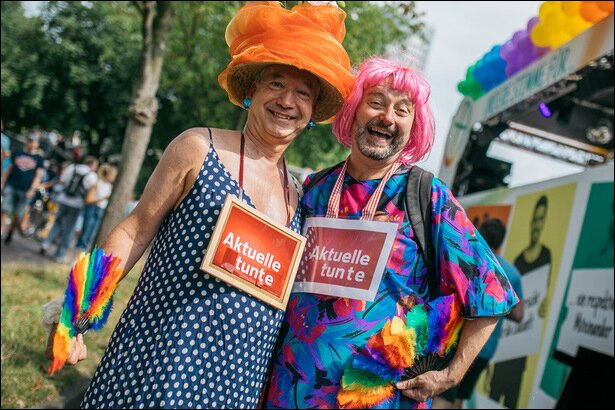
pixel 509 70
pixel 524 43
pixel 507 49
pixel 517 36
pixel 530 24
pixel 539 51
pixel 525 60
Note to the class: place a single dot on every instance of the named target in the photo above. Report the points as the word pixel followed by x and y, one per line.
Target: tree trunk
pixel 157 16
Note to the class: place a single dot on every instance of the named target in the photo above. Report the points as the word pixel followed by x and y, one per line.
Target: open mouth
pixel 380 133
pixel 281 116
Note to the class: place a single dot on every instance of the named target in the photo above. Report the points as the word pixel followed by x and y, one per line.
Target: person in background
pixel 96 202
pixel 493 231
pixel 77 180
pixel 50 178
pixel 19 183
pixel 6 148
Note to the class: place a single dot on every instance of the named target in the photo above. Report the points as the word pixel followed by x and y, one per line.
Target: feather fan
pixel 87 302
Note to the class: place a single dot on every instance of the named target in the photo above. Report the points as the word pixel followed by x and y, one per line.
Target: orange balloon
pixel 606 6
pixel 591 12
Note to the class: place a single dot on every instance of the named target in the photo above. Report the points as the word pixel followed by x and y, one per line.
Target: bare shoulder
pixel 189 146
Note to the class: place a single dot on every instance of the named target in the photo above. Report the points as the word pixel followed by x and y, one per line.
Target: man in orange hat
pixel 187 339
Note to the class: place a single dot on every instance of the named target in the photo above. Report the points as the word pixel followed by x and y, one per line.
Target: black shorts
pixel 464 389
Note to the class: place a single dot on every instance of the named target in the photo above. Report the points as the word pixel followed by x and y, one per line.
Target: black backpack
pixel 418 212
pixel 75 187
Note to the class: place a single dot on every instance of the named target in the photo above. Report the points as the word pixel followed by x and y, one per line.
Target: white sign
pixel 344 258
pixel 523 339
pixel 589 321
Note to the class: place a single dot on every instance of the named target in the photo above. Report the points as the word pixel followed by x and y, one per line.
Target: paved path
pixel 25 251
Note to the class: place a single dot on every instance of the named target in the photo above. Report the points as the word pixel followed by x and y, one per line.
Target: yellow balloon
pixel 546 8
pixel 555 21
pixel 575 25
pixel 558 38
pixel 540 36
pixel 571 8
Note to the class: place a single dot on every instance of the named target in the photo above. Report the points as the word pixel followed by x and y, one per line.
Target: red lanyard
pixel 286 189
pixel 372 204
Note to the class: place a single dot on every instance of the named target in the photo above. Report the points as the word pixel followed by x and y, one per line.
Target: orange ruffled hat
pixel 307 37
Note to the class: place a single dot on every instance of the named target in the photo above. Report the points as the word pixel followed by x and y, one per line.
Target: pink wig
pixel 375 71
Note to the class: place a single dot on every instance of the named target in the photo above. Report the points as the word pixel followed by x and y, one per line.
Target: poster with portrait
pixel 536 240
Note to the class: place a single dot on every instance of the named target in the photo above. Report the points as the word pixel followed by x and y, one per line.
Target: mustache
pixel 376 123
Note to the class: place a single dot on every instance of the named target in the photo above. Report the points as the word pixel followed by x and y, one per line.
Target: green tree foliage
pixel 22 83
pixel 71 68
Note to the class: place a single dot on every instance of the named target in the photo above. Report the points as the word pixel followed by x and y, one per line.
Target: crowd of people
pixel 52 193
pixel 201 342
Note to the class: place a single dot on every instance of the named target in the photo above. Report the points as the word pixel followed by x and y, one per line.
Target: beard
pixel 378 152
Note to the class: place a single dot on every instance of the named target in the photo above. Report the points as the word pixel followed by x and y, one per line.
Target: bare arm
pixel 35 182
pixel 473 337
pixel 90 198
pixel 169 183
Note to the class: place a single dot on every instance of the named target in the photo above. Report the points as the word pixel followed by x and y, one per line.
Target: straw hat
pixel 307 37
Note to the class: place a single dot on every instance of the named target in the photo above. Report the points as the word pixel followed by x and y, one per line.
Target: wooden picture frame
pixel 253 253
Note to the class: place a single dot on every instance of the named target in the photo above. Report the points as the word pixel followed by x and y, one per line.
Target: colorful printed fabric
pixel 321 333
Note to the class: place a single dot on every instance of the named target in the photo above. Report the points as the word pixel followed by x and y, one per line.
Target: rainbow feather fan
pixel 400 351
pixel 87 302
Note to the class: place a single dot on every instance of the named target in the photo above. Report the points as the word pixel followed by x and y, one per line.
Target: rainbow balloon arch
pixel 557 23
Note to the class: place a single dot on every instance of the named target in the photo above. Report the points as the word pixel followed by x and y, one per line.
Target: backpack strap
pixel 418 209
pixel 320 175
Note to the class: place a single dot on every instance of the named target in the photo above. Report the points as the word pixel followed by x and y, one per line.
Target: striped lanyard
pixel 370 209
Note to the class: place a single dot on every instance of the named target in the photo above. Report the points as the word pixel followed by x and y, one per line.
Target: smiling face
pixel 383 122
pixel 283 99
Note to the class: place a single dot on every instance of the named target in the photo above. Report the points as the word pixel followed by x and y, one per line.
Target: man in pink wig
pixel 387 124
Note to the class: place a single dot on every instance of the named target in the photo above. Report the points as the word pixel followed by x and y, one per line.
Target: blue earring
pixel 246 103
pixel 311 124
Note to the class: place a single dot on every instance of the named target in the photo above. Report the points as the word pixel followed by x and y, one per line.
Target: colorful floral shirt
pixel 321 333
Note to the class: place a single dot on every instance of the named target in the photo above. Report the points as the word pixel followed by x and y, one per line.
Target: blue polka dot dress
pixel 188 340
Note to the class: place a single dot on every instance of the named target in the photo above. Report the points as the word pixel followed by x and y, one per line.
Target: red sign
pixel 253 253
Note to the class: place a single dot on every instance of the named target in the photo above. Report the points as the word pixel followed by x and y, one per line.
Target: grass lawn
pixel 24 367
